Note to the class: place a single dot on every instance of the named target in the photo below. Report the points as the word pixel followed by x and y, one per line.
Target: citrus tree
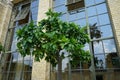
pixel 49 37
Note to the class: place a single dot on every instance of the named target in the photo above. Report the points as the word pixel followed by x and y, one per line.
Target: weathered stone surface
pixel 2 16
pixel 5 13
pixel 114 9
pixel 41 70
pixel 4 20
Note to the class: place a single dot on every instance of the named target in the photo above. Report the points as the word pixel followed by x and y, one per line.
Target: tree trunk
pixel 59 73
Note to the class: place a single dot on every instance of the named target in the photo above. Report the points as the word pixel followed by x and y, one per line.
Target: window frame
pixel 75 4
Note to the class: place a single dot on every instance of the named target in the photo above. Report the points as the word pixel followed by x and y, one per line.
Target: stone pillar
pixel 114 9
pixel 41 70
pixel 5 14
pixel 2 15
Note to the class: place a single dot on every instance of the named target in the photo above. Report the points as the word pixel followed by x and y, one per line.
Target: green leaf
pixel 50 36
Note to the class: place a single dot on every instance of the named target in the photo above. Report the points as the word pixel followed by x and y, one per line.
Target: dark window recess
pixel 75 4
pixel 25 20
pixel 99 77
pixel 23 15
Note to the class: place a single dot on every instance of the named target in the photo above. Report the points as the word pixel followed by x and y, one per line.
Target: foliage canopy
pixel 50 36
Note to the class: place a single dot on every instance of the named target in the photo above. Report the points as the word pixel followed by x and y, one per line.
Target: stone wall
pixel 5 14
pixel 114 9
pixel 2 15
pixel 41 70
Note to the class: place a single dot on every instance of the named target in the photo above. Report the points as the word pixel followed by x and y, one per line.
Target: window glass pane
pixel 34 10
pixel 14 42
pixel 112 60
pixel 59 2
pixel 104 19
pixel 72 17
pixel 14 35
pixel 98 47
pixel 109 46
pixel 28 60
pixel 26 75
pixel 86 47
pixel 34 3
pixel 99 1
pixel 80 15
pixel 89 2
pixel 15 55
pixel 62 9
pixel 91 11
pixel 34 17
pixel 14 46
pixel 63 17
pixel 100 61
pixel 93 20
pixel 23 13
pixel 101 8
pixel 95 31
pixel 18 69
pixel 81 22
pixel 106 31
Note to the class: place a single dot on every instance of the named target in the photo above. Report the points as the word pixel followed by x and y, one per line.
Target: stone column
pixel 114 9
pixel 5 15
pixel 41 70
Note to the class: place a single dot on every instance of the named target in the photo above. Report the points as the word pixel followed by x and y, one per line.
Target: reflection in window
pixel 61 8
pixel 104 19
pixel 93 20
pixel 112 60
pixel 23 15
pixel 34 9
pixel 59 2
pixel 19 67
pixel 101 8
pixel 95 31
pixel 106 31
pixel 72 17
pixel 91 11
pixel 99 61
pixel 81 22
pixel 109 46
pixel 86 47
pixel 102 40
pixel 98 47
pixel 23 66
pixel 99 1
pixel 89 3
pixel 63 17
pixel 16 67
pixel 80 15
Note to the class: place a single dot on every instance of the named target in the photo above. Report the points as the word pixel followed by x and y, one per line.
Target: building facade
pixel 102 18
